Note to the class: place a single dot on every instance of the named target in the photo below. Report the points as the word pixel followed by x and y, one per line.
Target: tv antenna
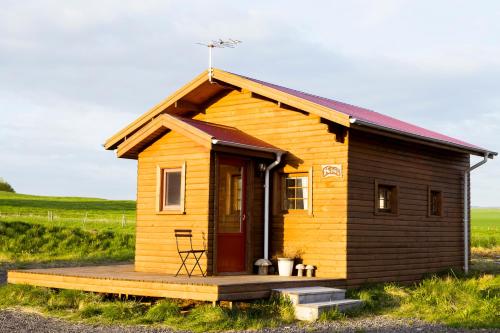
pixel 221 44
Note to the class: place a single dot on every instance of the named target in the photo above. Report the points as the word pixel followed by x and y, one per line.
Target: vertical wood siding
pixel 404 246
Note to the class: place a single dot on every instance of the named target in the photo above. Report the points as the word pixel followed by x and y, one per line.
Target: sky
pixel 73 73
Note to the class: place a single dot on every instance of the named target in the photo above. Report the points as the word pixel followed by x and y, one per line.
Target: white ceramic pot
pixel 285 266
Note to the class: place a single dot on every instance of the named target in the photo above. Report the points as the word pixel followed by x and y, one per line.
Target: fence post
pixel 123 220
pixel 85 219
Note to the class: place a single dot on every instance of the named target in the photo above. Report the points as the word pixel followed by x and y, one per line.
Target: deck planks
pixel 123 279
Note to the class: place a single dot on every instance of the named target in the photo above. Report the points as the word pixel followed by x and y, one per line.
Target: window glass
pixel 386 198
pixel 230 193
pixel 296 191
pixel 173 188
pixel 435 203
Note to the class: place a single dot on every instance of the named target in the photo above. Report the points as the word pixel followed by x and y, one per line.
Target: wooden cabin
pixel 259 171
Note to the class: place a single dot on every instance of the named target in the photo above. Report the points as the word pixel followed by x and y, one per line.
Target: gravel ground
pixel 19 321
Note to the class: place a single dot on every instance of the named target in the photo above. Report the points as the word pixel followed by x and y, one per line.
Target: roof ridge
pixel 307 93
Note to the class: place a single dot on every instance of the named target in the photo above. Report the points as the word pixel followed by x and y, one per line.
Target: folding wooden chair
pixel 184 254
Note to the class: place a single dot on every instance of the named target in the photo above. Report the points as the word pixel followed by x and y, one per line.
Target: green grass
pixel 88 229
pixel 22 242
pixel 80 229
pixel 471 302
pixel 467 302
pixel 485 227
pixel 93 308
pixel 68 211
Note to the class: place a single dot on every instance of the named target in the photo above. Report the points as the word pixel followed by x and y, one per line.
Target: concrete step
pixel 311 294
pixel 312 311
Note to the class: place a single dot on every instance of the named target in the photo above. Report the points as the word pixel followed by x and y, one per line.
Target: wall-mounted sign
pixel 331 170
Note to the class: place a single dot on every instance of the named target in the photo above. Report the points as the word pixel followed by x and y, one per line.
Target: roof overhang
pixel 131 147
pixel 386 131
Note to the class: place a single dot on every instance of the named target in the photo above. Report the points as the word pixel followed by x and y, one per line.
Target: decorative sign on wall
pixel 331 170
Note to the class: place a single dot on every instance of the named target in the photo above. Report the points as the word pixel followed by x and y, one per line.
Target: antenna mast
pixel 228 43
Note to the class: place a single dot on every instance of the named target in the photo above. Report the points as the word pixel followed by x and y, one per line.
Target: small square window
pixel 296 192
pixel 386 198
pixel 435 203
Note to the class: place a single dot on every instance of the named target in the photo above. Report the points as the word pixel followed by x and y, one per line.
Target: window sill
pixel 386 213
pixel 170 212
pixel 295 212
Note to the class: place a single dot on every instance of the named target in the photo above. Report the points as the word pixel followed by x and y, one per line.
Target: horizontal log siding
pixel 404 246
pixel 156 250
pixel 320 238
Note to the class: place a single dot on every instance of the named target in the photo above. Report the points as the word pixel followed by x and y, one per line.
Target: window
pixel 171 189
pixel 386 198
pixel 235 193
pixel 435 202
pixel 296 191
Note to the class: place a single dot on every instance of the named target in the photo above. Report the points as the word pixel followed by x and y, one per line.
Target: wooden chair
pixel 185 253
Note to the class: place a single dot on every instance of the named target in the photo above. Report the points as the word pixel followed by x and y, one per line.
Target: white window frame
pixel 161 207
pixel 309 200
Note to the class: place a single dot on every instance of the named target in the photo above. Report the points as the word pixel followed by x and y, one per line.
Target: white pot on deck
pixel 285 266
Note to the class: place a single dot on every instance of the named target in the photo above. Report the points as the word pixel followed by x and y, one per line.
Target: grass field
pixel 43 229
pixel 38 229
pixel 485 227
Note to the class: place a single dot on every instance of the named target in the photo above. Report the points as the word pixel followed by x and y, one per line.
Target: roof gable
pixel 204 133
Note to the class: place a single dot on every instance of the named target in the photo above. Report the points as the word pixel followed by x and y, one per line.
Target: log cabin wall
pixel 403 246
pixel 156 250
pixel 319 235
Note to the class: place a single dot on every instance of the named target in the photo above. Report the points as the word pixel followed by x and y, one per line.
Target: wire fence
pixel 84 218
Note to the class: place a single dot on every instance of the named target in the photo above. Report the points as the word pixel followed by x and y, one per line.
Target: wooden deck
pixel 122 279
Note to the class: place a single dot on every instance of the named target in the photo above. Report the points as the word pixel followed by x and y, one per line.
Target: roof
pixel 229 136
pixel 362 115
pixel 196 93
pixel 204 133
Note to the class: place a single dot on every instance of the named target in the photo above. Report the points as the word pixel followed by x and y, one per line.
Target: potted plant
pixel 285 263
pixel 285 266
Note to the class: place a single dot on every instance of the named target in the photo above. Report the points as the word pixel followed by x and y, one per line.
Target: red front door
pixel 231 215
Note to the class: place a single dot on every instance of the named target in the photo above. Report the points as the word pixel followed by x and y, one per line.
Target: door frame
pixel 249 183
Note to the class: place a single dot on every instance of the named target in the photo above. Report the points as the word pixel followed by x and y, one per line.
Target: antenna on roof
pixel 221 44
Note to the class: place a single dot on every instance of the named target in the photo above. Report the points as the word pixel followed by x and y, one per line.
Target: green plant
pixel 6 187
pixel 23 295
pixel 122 310
pixel 162 311
pixel 90 311
pixel 23 241
pixel 460 302
pixel 332 315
